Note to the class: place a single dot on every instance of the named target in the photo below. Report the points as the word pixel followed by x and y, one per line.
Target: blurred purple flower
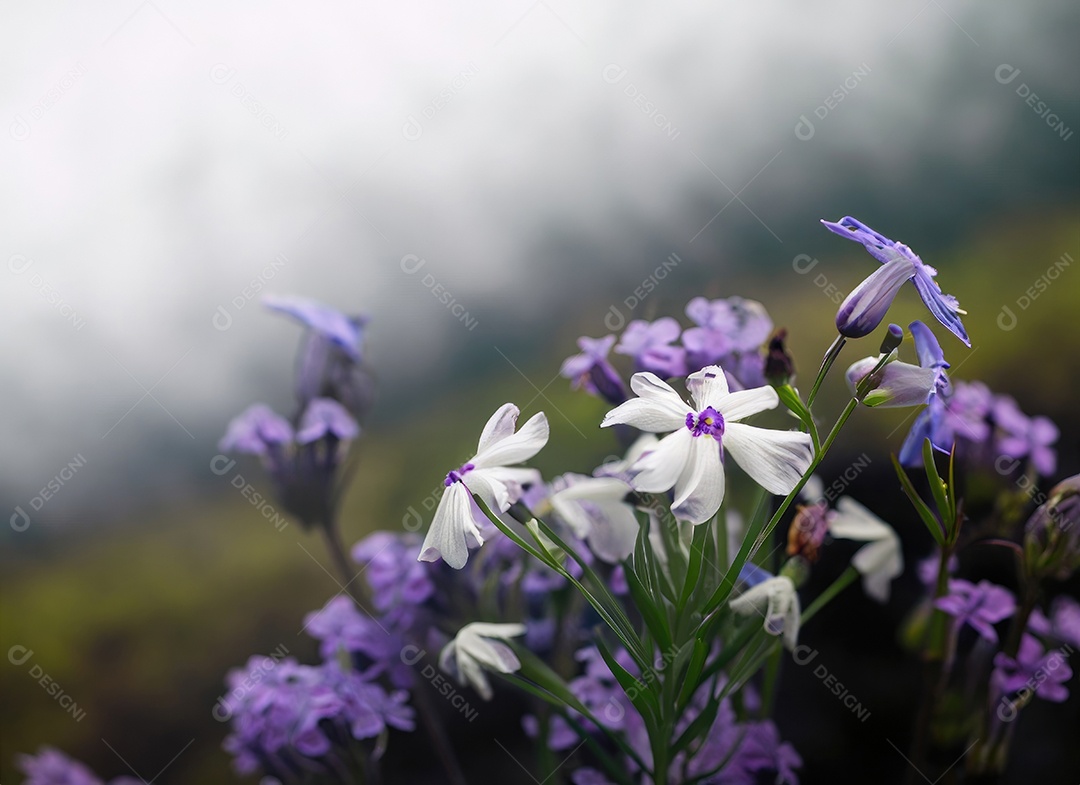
pixel 340 625
pixel 343 331
pixel 980 605
pixel 863 309
pixel 258 430
pixel 52 767
pixel 724 328
pixel 1021 436
pixel 649 345
pixel 591 369
pixel 1065 614
pixel 1033 670
pixel 326 417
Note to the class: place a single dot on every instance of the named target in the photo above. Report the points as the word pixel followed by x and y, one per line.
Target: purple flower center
pixel 707 422
pixel 455 476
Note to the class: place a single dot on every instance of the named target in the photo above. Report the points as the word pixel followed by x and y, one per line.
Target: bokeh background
pixel 487 182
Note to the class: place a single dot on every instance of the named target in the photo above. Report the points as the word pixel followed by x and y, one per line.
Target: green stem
pixel 846 578
pixel 826 365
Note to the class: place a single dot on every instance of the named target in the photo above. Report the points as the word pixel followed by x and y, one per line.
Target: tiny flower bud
pixel 1052 539
pixel 893 338
pixel 779 367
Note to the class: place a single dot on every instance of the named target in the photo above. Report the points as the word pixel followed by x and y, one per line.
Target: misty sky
pixel 165 161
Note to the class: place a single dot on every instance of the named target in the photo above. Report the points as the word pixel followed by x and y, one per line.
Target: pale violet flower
pixel 488 475
pixel 896 384
pixel 777 600
pixel 596 510
pixel 690 458
pixel 479 647
pixel 863 309
pixel 880 560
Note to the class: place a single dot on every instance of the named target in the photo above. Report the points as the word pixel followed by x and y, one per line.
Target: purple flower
pixel 981 606
pixel 591 369
pixel 326 417
pixel 762 752
pixel 52 767
pixel 927 568
pixel 1066 620
pixel 343 331
pixel 1033 670
pixel 649 345
pixel 330 363
pixel 258 430
pixel 1022 436
pixel 724 327
pixel 339 625
pixel 399 583
pixel 863 309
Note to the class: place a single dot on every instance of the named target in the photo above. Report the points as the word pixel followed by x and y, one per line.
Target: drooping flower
pixel 592 370
pixel 330 362
pixel 863 309
pixel 1033 670
pixel 690 459
pixel 979 605
pixel 650 346
pixel 479 647
pixel 1020 436
pixel 776 600
pixel 881 559
pixel 596 510
pixel 458 519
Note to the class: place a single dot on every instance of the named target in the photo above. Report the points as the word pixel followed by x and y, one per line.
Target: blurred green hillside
pixel 140 620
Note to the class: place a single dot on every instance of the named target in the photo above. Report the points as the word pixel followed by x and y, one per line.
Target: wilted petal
pixel 775 460
pixel 777 600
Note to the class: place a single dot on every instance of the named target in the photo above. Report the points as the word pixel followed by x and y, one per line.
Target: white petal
pixel 753 600
pixel 879 562
pixel 517 447
pixel 645 415
pixel 605 493
pixel 740 405
pixel 652 388
pixel 854 522
pixel 453 523
pixel 659 470
pixel 708 386
pixel 776 460
pixel 489 630
pixel 699 490
pixel 497 656
pixel 614 534
pixel 514 478
pixel 499 426
pixel 489 488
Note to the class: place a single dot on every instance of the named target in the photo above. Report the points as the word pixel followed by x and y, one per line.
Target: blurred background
pixel 487 182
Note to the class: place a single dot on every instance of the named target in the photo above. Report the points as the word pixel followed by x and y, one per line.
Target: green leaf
pixel 937 487
pixel 639 693
pixel 789 396
pixel 925 512
pixel 692 677
pixel 701 724
pixel 693 569
pixel 654 620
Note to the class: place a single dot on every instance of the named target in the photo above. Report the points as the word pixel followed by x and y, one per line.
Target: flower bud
pixel 893 338
pixel 779 367
pixel 1052 538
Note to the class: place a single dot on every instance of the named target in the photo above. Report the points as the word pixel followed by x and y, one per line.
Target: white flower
pixel 690 460
pixel 594 508
pixel 477 648
pixel 486 474
pixel 778 601
pixel 878 562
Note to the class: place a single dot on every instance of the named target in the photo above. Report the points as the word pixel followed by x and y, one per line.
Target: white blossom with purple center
pixel 489 475
pixel 690 458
